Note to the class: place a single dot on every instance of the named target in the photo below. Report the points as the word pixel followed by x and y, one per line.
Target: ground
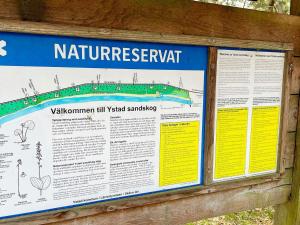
pixel 251 217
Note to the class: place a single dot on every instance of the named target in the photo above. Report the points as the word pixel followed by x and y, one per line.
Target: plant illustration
pixel 22 133
pixel 19 164
pixel 40 183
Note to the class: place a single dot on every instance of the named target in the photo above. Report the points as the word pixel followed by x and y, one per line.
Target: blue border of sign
pixel 38 50
pixel 198 60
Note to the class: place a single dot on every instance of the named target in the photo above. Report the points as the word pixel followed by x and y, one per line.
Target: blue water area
pixel 62 101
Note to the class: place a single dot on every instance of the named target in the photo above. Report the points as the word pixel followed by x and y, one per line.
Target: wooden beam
pixel 289 151
pixel 78 31
pixel 289 213
pixel 167 17
pixel 285 110
pixel 293 113
pixel 154 199
pixel 295 8
pixel 161 199
pixel 210 116
pixel 295 80
pixel 175 210
pixel 192 209
pixel 31 10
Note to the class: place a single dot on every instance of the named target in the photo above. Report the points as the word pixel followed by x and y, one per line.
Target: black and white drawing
pixel 22 133
pixel 40 183
pixel 22 175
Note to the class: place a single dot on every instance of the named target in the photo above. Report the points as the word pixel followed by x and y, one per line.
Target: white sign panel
pixel 247 118
pixel 86 120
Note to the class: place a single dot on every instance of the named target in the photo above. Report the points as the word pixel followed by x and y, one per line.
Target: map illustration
pixel 107 91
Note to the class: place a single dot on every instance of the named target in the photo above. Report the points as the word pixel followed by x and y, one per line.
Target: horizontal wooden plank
pixel 295 79
pixel 192 209
pixel 293 113
pixel 67 30
pixel 167 17
pixel 283 180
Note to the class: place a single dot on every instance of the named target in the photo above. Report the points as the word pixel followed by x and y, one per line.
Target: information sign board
pixel 87 120
pixel 247 113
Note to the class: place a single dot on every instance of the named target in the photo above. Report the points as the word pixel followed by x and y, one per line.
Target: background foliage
pixel 251 217
pixel 277 6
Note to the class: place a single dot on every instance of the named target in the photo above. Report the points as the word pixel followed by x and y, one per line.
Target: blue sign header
pixel 57 51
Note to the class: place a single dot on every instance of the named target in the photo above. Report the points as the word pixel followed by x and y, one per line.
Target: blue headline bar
pixel 57 51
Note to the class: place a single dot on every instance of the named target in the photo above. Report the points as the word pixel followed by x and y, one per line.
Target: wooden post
pixel 295 7
pixel 289 213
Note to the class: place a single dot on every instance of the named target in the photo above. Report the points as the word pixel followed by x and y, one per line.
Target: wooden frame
pixel 210 116
pixel 283 128
pixel 79 31
pixel 210 119
pixel 150 199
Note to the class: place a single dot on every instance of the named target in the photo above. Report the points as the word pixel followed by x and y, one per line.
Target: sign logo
pixel 2 50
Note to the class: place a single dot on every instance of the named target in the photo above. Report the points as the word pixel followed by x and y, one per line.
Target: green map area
pixel 94 89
